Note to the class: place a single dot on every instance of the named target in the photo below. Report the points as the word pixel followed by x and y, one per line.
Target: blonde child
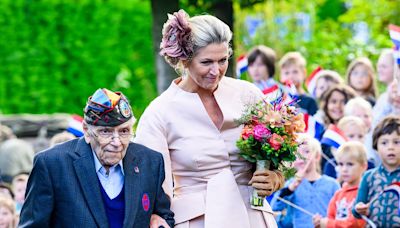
pixel 309 189
pixel 361 77
pixel 358 106
pixel 7 213
pixel 381 207
pixel 351 158
pixel 355 130
pixel 18 185
pixel 293 69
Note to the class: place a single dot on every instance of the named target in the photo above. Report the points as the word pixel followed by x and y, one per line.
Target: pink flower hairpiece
pixel 177 39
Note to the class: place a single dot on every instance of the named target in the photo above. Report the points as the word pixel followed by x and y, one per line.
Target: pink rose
pixel 176 41
pixel 275 141
pixel 260 132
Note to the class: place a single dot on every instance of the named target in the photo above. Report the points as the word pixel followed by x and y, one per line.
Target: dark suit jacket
pixel 64 190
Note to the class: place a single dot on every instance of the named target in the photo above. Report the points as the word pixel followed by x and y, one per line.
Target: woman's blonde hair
pixel 354 149
pixel 184 36
pixel 372 89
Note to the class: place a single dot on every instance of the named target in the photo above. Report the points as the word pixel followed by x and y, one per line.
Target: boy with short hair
pixel 293 70
pixel 372 201
pixel 352 162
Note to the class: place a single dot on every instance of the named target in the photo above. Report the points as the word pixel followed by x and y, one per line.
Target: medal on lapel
pixel 136 169
pixel 145 202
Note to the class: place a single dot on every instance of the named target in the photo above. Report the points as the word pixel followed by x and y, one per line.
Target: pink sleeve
pixel 151 133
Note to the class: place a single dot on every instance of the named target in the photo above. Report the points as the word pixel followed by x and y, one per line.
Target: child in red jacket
pixel 352 162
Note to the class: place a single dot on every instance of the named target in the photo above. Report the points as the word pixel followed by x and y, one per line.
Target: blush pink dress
pixel 205 177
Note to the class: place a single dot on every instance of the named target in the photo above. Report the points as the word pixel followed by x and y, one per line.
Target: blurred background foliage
pixel 329 33
pixel 55 53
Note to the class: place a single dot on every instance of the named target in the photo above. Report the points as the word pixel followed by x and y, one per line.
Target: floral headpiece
pixel 177 42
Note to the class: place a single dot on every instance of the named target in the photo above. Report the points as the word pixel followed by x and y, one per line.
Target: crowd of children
pixel 353 181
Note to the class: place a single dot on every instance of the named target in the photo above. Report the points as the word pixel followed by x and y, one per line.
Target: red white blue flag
pixel 333 136
pixel 311 81
pixel 75 125
pixel 394 32
pixel 313 127
pixel 241 65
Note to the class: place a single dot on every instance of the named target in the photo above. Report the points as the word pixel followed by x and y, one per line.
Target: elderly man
pixel 101 179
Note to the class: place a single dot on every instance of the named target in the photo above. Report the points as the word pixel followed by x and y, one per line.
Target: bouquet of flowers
pixel 269 136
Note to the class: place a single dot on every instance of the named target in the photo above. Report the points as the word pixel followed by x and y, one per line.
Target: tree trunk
pixel 224 11
pixel 159 11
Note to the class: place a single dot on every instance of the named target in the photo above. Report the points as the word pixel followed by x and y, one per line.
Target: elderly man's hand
pixel 157 222
pixel 267 182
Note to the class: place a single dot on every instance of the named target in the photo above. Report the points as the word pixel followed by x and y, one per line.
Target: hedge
pixel 55 53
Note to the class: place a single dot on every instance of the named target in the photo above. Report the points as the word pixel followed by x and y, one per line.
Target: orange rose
pixel 275 141
pixel 246 132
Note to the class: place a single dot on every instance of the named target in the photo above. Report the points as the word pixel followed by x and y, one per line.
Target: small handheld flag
pixel 311 81
pixel 313 127
pixel 241 65
pixel 75 125
pixel 334 137
pixel 394 32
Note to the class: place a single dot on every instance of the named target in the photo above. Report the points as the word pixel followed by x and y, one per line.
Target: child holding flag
pixel 352 162
pixel 376 198
pixel 309 190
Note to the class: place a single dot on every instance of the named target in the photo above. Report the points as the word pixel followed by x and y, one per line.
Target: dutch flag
pixel 311 81
pixel 394 32
pixel 313 127
pixel 241 65
pixel 333 136
pixel 75 125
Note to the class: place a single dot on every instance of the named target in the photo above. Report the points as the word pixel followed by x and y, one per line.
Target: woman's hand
pixel 362 208
pixel 267 182
pixel 157 222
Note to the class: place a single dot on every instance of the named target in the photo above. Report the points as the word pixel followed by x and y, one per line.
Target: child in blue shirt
pixel 309 189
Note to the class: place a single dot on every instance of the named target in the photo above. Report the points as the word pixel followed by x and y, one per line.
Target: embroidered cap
pixel 107 108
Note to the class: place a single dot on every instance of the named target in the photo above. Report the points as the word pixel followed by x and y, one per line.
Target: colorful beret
pixel 107 108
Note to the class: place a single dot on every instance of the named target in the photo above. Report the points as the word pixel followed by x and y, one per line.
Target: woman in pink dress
pixel 193 125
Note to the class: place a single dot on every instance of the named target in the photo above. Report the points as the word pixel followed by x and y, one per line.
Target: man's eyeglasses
pixel 107 133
